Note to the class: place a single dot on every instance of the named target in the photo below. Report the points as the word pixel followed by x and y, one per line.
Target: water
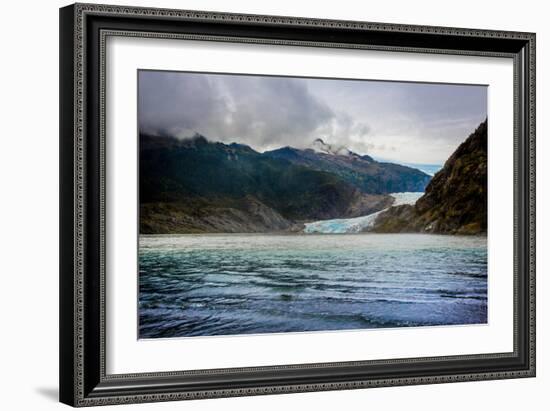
pixel 357 224
pixel 210 284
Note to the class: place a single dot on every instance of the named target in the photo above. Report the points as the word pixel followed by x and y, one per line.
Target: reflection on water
pixel 210 284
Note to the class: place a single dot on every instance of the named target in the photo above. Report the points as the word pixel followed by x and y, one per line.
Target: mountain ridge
pixel 195 185
pixel 362 171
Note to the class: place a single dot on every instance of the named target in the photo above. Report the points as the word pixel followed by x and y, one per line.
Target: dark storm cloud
pixel 264 112
pixel 172 103
pixel 412 122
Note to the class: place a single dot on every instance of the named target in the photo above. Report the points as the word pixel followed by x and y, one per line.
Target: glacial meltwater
pixel 210 284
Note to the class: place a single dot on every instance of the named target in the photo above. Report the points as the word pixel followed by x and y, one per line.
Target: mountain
pixel 194 185
pixel 320 146
pixel 455 201
pixel 363 172
pixel 429 169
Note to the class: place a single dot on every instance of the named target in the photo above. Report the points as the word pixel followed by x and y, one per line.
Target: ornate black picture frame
pixel 83 31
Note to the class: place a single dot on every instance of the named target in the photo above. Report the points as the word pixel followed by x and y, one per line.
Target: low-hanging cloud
pixel 263 112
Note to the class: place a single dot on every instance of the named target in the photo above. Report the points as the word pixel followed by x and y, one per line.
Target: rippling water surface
pixel 193 285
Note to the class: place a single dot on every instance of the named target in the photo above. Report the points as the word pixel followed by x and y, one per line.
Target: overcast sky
pixel 403 122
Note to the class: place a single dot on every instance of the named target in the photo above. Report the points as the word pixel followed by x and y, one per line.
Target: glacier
pixel 357 224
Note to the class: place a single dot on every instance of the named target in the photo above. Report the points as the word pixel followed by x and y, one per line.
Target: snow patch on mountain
pixel 320 146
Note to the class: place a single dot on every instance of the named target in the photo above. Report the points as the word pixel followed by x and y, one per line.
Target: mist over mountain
pixel 320 146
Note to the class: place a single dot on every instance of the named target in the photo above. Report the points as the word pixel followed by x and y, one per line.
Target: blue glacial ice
pixel 357 224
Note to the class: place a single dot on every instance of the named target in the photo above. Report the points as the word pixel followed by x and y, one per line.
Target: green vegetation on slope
pixel 194 185
pixel 455 201
pixel 363 172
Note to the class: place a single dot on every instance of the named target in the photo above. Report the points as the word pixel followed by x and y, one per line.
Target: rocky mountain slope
pixel 455 201
pixel 194 185
pixel 363 172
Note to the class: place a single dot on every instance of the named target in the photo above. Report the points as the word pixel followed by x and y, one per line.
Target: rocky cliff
pixel 455 200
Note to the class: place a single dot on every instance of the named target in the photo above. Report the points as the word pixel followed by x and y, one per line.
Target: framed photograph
pixel 261 204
